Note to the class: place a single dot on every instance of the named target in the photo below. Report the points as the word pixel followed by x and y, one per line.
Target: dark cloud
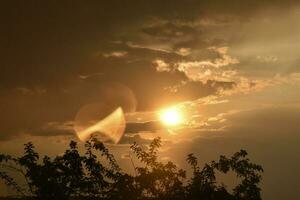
pixel 151 126
pixel 166 31
pixel 47 41
pixel 54 129
pixel 53 54
pixel 277 122
pixel 130 139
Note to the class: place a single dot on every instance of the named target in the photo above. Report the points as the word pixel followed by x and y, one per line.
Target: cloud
pixel 29 91
pixel 85 76
pixel 150 126
pixel 278 122
pixel 116 54
pixel 245 85
pixel 161 65
pixel 210 69
pixel 157 48
pixel 54 129
pixel 267 59
pixel 164 29
pixel 130 139
pixel 211 49
pixel 184 51
pixel 204 71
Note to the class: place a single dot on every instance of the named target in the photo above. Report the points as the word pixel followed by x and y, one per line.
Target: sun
pixel 170 116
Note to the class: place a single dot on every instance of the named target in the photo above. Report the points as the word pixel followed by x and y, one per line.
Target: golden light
pixel 171 116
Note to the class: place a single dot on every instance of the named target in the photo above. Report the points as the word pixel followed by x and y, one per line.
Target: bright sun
pixel 170 117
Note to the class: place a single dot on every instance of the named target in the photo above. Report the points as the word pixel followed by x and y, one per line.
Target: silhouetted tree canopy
pixel 96 175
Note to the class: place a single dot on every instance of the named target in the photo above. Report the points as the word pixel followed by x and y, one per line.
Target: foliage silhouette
pixel 96 175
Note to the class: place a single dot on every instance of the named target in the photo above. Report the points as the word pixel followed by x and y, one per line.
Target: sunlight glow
pixel 171 116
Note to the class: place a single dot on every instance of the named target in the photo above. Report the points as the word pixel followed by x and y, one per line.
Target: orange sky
pixel 231 66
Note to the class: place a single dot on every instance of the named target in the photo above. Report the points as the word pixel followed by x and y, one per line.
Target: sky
pixel 231 66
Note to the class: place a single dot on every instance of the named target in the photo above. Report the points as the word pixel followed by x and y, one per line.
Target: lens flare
pixel 112 127
pixel 104 116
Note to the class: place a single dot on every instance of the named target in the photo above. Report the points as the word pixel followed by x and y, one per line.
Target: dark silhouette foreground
pixel 96 175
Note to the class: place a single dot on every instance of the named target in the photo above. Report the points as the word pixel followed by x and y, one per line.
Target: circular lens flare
pixel 171 117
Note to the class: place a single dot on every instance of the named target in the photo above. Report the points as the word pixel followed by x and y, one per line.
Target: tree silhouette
pixel 96 175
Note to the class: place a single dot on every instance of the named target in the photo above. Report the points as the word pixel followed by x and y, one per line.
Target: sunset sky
pixel 231 68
